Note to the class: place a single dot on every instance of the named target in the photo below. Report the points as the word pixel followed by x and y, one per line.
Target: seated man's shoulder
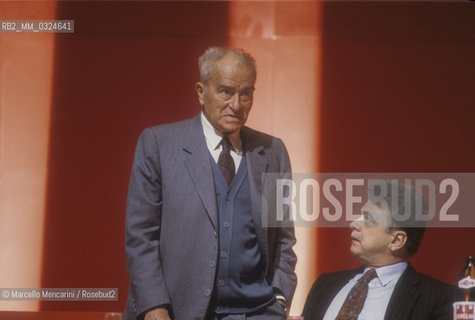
pixel 436 297
pixel 431 282
pixel 340 273
pixel 332 278
pixel 432 289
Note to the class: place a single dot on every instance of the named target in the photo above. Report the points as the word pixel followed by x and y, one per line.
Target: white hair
pixel 213 54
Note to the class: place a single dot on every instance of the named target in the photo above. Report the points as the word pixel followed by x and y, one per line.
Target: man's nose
pixel 235 103
pixel 356 224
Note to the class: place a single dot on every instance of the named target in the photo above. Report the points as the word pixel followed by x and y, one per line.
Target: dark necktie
pixel 226 162
pixel 356 297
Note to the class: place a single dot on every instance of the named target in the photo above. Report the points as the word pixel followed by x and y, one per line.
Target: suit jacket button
pixel 207 292
pixel 212 263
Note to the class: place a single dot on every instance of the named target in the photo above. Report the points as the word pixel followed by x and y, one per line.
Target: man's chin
pixel 354 249
pixel 229 129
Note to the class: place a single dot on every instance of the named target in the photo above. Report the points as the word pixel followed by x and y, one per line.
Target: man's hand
pixel 157 314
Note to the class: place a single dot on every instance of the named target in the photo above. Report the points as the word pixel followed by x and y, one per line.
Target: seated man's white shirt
pixel 380 290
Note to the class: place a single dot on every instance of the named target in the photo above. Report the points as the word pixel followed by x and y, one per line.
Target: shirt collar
pixel 390 273
pixel 214 137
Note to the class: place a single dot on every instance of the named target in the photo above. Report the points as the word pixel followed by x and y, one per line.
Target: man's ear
pixel 200 89
pixel 399 240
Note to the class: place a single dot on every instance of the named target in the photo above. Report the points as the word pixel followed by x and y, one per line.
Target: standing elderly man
pixel 386 286
pixel 196 245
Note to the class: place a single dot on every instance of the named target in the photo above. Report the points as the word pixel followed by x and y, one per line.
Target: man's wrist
pixel 158 313
pixel 282 301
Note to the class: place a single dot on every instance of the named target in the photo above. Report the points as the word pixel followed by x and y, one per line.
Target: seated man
pixel 386 286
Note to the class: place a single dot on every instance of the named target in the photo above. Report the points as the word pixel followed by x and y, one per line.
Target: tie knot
pixel 355 299
pixel 226 144
pixel 368 276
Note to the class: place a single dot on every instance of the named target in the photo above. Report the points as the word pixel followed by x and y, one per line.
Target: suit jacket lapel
pixel 197 162
pixel 405 295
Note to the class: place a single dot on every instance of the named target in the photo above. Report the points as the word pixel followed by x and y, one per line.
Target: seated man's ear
pixel 399 240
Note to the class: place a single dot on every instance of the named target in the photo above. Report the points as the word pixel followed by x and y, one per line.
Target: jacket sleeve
pixel 142 244
pixel 284 279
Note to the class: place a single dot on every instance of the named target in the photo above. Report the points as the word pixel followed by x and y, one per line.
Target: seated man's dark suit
pixel 415 297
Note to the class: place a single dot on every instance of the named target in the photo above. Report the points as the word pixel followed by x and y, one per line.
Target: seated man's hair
pixel 406 207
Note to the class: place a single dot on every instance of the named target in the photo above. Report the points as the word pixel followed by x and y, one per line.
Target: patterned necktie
pixel 356 297
pixel 226 162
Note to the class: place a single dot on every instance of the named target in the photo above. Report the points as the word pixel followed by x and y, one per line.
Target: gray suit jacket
pixel 172 220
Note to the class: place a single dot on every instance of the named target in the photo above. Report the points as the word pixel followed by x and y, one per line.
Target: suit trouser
pixel 272 312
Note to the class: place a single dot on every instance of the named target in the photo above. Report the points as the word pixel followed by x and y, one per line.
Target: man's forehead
pixel 375 210
pixel 243 77
pixel 234 82
pixel 231 63
pixel 225 69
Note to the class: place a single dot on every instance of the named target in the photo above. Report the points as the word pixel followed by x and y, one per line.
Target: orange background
pixel 350 87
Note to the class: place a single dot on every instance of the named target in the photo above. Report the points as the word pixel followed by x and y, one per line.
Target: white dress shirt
pixel 213 141
pixel 380 290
